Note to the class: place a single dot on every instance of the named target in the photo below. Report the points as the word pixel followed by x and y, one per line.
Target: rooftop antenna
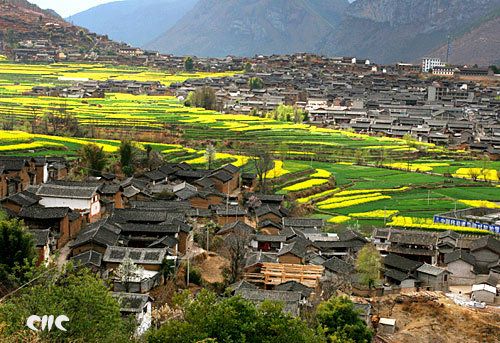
pixel 448 49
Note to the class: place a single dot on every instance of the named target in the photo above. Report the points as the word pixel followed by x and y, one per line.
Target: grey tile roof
pixel 303 222
pixel 238 226
pixel 290 300
pixel 221 175
pixel 101 232
pixel 294 249
pixel 164 242
pixel 131 302
pixel 460 255
pixel 430 269
pixel 401 263
pixel 487 242
pixel 260 257
pixel 24 198
pixel 41 212
pixel 75 190
pixel 134 215
pixel 173 206
pixel 337 265
pixel 89 257
pixel 294 286
pixel 117 254
pixel 40 237
pixel 396 275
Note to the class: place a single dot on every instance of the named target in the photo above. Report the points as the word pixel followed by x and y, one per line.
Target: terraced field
pixel 347 177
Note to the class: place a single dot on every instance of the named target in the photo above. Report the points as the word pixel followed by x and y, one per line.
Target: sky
pixel 65 8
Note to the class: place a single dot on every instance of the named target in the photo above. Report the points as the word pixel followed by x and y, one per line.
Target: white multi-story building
pixel 430 63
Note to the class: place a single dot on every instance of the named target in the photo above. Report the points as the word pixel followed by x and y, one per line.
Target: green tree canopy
pixel 202 97
pixel 234 319
pixel 189 64
pixel 256 83
pixel 128 154
pixel 93 158
pixel 341 322
pixel 17 249
pixel 94 316
pixel 368 264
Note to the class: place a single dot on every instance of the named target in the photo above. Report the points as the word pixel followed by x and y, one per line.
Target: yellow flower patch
pixel 31 146
pixel 353 202
pixel 316 196
pixel 480 203
pixel 305 185
pixel 374 214
pixel 338 198
pixel 322 174
pixel 338 219
pixel 239 159
pixel 367 191
pixel 477 173
pixel 277 171
pixel 428 223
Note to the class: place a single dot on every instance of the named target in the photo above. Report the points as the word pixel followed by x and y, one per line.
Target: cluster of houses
pixel 353 94
pixel 149 220
pixel 98 89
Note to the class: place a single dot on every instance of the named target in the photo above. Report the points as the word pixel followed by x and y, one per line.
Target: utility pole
pixel 448 50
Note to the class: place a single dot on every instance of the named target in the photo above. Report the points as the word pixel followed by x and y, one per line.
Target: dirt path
pixel 63 255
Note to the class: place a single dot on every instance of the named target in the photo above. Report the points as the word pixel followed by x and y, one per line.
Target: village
pixel 166 220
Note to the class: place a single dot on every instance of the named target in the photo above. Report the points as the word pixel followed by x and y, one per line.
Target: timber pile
pixel 272 274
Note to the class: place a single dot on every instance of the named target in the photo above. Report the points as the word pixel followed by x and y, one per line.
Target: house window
pixel 445 277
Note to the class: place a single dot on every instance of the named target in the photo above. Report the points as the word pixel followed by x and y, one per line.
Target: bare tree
pixel 262 162
pixel 234 249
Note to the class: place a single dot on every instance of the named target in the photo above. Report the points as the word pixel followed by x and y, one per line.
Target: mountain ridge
pixel 133 21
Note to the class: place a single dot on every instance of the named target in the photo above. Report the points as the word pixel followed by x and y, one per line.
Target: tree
pixel 256 83
pixel 248 67
pixel 202 97
pixel 341 321
pixel 210 155
pixel 189 64
pixel 93 158
pixel 232 319
pixel 234 249
pixel 368 264
pixel 77 293
pixel 127 271
pixel 127 152
pixel 262 162
pixel 17 249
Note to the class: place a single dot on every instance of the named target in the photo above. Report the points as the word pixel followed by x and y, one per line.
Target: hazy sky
pixel 68 7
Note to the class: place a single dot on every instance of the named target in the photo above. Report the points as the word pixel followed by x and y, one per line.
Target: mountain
pixel 136 22
pixel 480 45
pixel 385 31
pixel 405 30
pixel 24 25
pixel 20 16
pixel 247 27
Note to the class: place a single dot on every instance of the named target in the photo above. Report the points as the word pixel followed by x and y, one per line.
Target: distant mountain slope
pixel 479 46
pixel 136 22
pixel 395 30
pixel 247 27
pixel 385 31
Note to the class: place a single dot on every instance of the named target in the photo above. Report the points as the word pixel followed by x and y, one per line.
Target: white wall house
pixel 75 195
